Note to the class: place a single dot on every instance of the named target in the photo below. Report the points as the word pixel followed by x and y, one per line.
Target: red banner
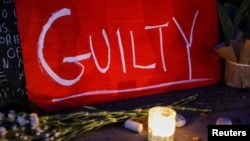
pixel 82 52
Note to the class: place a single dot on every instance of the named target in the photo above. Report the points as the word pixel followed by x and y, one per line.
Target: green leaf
pixel 90 107
pixel 226 22
pixel 242 12
pixel 242 18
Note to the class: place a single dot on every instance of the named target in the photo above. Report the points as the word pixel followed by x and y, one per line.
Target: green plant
pixel 234 17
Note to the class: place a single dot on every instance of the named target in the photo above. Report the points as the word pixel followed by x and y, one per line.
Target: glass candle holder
pixel 161 124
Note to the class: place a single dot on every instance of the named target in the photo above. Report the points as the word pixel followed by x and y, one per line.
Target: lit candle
pixel 161 124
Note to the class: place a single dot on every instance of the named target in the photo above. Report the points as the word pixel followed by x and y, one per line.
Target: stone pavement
pixel 224 101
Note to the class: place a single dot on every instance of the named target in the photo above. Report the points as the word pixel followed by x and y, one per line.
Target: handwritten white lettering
pixel 161 42
pixel 58 79
pixel 4 13
pixel 188 43
pixel 102 70
pixel 134 58
pixel 8 1
pixel 75 59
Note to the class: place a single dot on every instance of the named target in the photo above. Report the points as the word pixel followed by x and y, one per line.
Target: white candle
pixel 161 124
pixel 133 126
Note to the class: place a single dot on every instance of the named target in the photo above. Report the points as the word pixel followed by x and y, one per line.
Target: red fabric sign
pixel 82 52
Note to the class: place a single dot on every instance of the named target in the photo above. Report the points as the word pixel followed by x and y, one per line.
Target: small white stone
pixel 133 126
pixel 223 121
pixel 180 121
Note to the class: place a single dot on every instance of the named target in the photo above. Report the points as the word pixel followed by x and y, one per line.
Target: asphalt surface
pixel 222 100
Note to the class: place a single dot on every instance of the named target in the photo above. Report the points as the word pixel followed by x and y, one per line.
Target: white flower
pixel 23 137
pixel 44 121
pixel 17 134
pixel 3 131
pixel 14 127
pixel 27 121
pixel 47 135
pixel 39 131
pixel 23 128
pixel 12 115
pixel 34 120
pixel 21 120
pixel 46 127
pixel 57 134
pixel 1 115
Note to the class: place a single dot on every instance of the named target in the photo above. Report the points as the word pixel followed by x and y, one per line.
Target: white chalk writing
pixel 76 59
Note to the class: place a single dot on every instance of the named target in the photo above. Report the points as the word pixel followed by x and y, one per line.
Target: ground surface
pixel 224 101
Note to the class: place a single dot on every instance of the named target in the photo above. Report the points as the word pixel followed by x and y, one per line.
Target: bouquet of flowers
pixel 63 127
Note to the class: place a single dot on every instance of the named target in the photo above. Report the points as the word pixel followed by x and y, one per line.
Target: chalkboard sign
pixel 12 81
